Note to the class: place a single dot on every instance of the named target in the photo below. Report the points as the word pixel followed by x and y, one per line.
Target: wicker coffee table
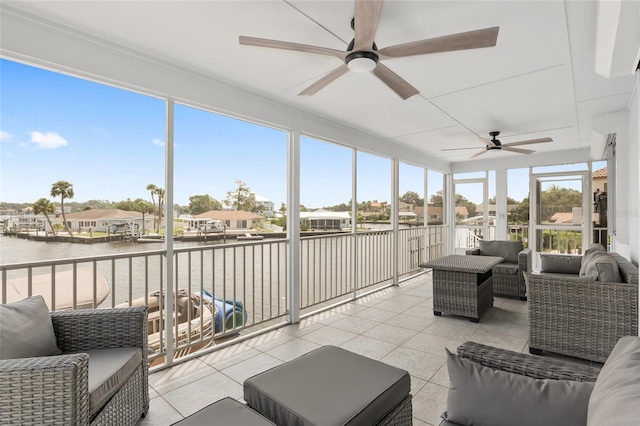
pixel 462 285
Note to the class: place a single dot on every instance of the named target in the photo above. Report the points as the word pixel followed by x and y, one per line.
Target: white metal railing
pixel 467 238
pixel 554 240
pixel 518 233
pixel 251 273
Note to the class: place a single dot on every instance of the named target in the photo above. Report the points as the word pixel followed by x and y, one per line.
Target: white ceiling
pixel 538 81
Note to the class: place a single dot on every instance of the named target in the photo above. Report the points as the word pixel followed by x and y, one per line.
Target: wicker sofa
pixel 579 317
pixel 508 279
pixel 502 392
pixel 55 389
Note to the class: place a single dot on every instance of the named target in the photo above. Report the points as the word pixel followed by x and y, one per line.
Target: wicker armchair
pixel 585 319
pixel 508 278
pixel 54 389
pixel 524 364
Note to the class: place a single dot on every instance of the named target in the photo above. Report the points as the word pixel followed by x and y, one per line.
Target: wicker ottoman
pixel 331 386
pixel 225 412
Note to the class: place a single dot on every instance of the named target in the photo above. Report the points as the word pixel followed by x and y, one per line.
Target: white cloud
pixel 49 140
pixel 5 136
pixel 157 142
pixel 101 132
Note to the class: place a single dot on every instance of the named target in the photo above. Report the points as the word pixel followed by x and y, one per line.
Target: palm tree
pixel 45 207
pixel 160 194
pixel 144 207
pixel 153 189
pixel 63 189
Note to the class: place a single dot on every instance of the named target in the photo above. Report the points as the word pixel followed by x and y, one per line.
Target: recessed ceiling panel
pixel 529 103
pixel 366 103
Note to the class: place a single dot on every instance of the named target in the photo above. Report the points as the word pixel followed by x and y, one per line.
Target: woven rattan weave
pixel 528 365
pixel 462 285
pixel 54 389
pixel 580 318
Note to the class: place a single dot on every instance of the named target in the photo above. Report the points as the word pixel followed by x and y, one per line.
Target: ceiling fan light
pixel 362 61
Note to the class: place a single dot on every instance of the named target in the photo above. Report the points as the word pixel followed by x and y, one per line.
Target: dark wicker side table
pixel 462 285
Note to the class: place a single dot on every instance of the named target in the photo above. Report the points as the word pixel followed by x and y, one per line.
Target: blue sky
pixel 109 143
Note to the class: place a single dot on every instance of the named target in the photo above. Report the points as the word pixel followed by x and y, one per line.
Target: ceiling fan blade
pixel 366 16
pixel 324 81
pixel 455 149
pixel 528 142
pixel 462 41
pixel 286 45
pixel 395 82
pixel 484 151
pixel 518 150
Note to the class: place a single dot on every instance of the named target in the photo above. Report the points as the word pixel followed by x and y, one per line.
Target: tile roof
pixel 94 214
pixel 600 173
pixel 562 217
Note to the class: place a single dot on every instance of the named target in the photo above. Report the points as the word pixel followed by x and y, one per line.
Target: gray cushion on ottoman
pixel 329 386
pixel 225 412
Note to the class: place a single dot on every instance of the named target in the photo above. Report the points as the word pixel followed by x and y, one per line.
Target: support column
pixel 293 224
pixel 168 234
pixel 395 195
pixel 501 205
pixel 354 222
pixel 449 212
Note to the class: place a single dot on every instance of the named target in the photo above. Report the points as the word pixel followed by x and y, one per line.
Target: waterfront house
pixel 102 220
pixel 323 220
pixel 235 219
pixel 266 204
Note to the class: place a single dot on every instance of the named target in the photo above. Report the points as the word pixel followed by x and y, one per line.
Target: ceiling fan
pixel 495 144
pixel 362 54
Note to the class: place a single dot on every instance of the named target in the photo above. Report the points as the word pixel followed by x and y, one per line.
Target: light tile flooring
pixel 395 325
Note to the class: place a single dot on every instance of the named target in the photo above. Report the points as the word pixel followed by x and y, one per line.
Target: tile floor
pixel 395 325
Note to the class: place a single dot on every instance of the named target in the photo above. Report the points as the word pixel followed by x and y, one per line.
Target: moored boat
pixel 196 320
pixel 249 237
pixel 63 281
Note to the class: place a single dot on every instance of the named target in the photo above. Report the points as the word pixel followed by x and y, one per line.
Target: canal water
pixel 18 250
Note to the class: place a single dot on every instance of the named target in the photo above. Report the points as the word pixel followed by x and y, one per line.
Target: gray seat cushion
pixel 506 269
pixel 506 249
pixel 329 386
pixel 109 369
pixel 616 396
pixel 225 412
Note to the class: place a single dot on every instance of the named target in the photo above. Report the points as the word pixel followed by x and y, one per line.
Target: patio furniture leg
pixel 535 351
